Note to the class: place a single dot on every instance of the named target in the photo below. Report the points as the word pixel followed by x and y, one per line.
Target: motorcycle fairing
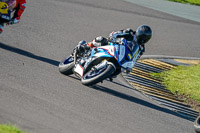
pixel 132 56
pixel 98 55
pixel 120 52
pixel 113 50
pixel 104 51
pixel 101 54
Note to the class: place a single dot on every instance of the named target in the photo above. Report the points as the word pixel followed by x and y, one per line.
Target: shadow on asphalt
pixel 28 54
pixel 136 100
pixel 114 82
pixel 131 98
pixel 96 87
pixel 74 77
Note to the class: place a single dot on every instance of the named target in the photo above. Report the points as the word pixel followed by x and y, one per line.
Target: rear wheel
pixel 94 76
pixel 66 66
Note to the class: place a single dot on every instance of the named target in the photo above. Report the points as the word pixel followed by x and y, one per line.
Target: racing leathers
pixel 128 35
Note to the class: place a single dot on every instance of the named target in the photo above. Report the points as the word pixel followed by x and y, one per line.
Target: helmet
pixel 11 3
pixel 100 41
pixel 143 34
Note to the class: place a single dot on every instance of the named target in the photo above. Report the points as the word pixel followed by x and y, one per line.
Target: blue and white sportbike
pixel 99 63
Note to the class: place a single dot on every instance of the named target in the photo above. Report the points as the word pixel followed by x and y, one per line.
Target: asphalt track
pixel 178 9
pixel 38 99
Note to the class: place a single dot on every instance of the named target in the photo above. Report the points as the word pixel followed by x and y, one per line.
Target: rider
pixel 18 8
pixel 139 37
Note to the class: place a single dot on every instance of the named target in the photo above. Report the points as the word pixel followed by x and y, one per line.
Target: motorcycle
pixel 6 9
pixel 99 63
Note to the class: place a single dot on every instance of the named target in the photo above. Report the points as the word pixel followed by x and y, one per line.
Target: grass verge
pixel 184 82
pixel 9 129
pixel 193 2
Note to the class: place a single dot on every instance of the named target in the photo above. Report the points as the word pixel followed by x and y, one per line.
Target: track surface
pixel 37 98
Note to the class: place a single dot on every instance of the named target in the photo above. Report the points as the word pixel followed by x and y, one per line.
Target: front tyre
pixel 96 76
pixel 66 66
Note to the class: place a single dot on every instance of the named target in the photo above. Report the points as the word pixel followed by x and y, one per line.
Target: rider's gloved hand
pixel 82 46
pixel 13 21
pixel 79 48
pixel 113 36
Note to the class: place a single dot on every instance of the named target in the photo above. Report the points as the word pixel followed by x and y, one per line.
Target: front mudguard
pixel 96 76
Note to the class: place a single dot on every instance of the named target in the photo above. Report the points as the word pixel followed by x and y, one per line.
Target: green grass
pixel 193 2
pixel 182 81
pixel 9 129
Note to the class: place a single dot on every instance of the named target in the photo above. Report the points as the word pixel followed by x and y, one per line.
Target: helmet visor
pixel 143 39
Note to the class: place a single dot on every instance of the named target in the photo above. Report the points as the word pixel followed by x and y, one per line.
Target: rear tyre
pixel 66 66
pixel 93 77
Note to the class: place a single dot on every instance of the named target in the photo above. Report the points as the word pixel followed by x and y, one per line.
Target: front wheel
pixel 95 76
pixel 66 66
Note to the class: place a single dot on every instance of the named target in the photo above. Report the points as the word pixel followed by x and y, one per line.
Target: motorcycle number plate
pixel 79 69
